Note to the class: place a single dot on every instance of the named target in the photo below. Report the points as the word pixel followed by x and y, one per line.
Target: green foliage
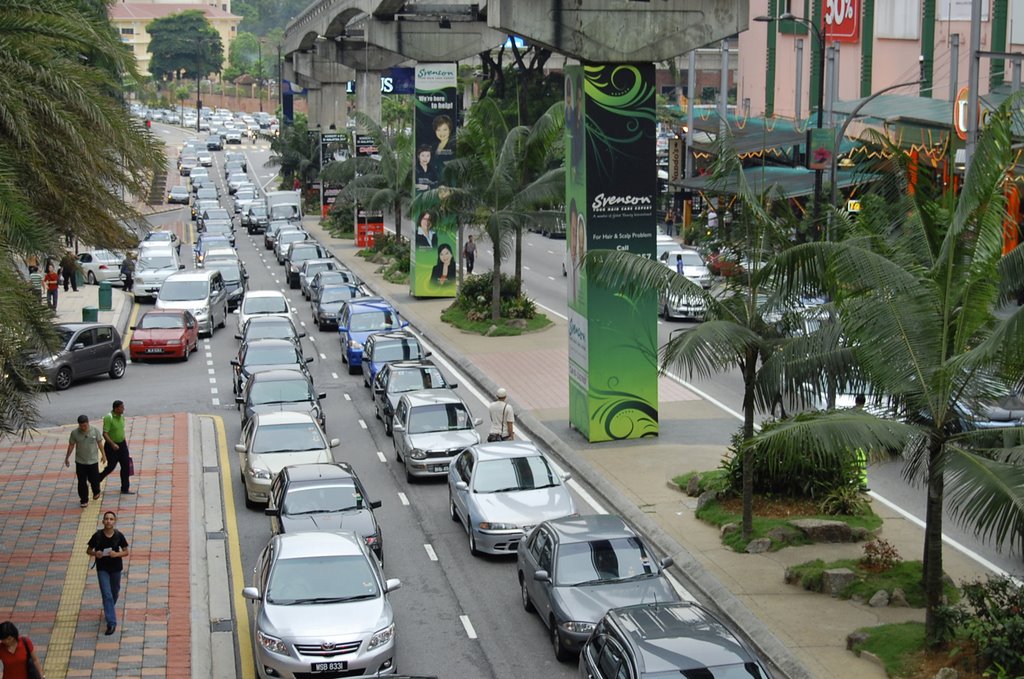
pixel 522 90
pixel 905 575
pixel 184 43
pixel 296 152
pixel 993 618
pixel 716 480
pixel 482 324
pixel 846 500
pixel 263 17
pixel 880 555
pixel 387 244
pixel 244 56
pixel 895 645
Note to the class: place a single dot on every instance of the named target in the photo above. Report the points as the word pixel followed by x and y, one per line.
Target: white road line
pixel 432 555
pixel 303 324
pixel 551 252
pixel 214 390
pixel 362 423
pixel 213 380
pixel 710 399
pixel 209 362
pixel 347 397
pixel 312 339
pixel 526 268
pixel 323 357
pixel 403 499
pixel 470 632
pixel 551 278
pixel 381 457
pixel 215 401
pixel 552 311
pixel 334 375
pixel 585 496
pixel 211 371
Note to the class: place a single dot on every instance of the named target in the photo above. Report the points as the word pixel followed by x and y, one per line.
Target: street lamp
pixel 789 16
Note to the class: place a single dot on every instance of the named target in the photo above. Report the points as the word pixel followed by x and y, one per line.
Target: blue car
pixel 359 319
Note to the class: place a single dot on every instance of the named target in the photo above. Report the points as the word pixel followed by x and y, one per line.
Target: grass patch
pixel 715 479
pixel 898 646
pixel 718 514
pixel 905 575
pixel 457 317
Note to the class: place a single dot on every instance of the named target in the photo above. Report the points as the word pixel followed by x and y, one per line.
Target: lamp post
pixel 789 16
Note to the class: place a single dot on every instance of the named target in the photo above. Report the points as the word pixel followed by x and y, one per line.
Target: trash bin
pixel 90 314
pixel 79 279
pixel 106 296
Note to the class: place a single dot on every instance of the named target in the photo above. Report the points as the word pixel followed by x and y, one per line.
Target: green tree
pixel 523 89
pixel 243 56
pixel 395 113
pixel 501 177
pixel 263 16
pixel 296 152
pixel 64 133
pixel 378 184
pixel 184 43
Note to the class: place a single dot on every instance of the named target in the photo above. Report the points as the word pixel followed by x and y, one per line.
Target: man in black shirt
pixel 109 547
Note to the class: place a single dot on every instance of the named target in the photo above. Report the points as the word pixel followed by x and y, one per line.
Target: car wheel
pixel 352 370
pixel 451 508
pixel 91 278
pixel 472 543
pixel 409 478
pixel 63 379
pixel 524 595
pixel 184 356
pixel 316 322
pixel 388 429
pixel 564 272
pixel 561 654
pixel 117 368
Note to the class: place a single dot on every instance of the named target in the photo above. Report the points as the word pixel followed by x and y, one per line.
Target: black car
pixel 266 354
pixel 214 143
pixel 256 219
pixel 298 253
pixel 269 327
pixel 337 276
pixel 312 497
pixel 654 640
pixel 86 349
pixel 395 379
pixel 270 235
pixel 281 391
pixel 236 279
pixel 328 305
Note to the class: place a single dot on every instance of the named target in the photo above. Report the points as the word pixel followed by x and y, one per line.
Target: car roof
pixel 283 417
pixel 427 397
pixel 678 636
pixel 395 335
pixel 502 450
pixel 279 374
pixel 318 543
pixel 269 342
pixel 589 528
pixel 361 305
pixel 193 275
pixel 319 471
pixel 419 364
pixel 264 293
pixel 75 327
pixel 318 260
pixel 263 320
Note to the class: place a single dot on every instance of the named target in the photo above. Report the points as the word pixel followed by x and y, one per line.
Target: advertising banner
pixel 841 20
pixel 369 226
pixel 611 183
pixel 434 255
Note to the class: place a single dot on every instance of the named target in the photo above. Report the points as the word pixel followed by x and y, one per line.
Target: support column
pixel 314 101
pixel 332 105
pixel 368 93
pixel 610 201
pixel 769 81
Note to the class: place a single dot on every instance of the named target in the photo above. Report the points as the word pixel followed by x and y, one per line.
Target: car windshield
pixel 228 269
pixel 216 214
pixel 340 496
pixel 214 242
pixel 301 254
pixel 415 379
pixel 336 294
pixel 371 320
pixel 265 305
pixel 598 561
pixel 396 350
pixel 258 211
pixel 205 193
pixel 689 259
pixel 183 291
pixel 156 262
pixel 178 190
pixel 65 336
pixel 161 322
pixel 280 391
pixel 292 236
pixel 314 580
pixel 161 235
pixel 316 267
pixel 748 670
pixel 288 438
pixel 280 330
pixel 513 474
pixel 275 355
pixel 220 226
pixel 440 417
pixel 331 278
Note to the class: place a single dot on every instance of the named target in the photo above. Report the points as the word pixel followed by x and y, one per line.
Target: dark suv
pixel 88 349
pixel 680 639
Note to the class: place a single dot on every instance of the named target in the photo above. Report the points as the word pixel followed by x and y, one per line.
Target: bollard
pixel 90 314
pixel 106 296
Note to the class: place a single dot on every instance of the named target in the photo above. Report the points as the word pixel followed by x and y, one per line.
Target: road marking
pixel 214 390
pixel 380 455
pixel 243 639
pixel 213 380
pixel 303 324
pixel 401 496
pixel 323 357
pixel 710 399
pixel 334 375
pixel 551 252
pixel 126 342
pixel 362 423
pixel 347 397
pixel 470 632
pixel 215 401
pixel 209 362
pixel 551 278
pixel 312 339
pixel 585 496
pixel 553 312
pixel 210 371
pixel 526 268
pixel 431 554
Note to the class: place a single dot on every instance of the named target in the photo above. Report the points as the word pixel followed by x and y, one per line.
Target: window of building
pixel 1016 22
pixel 898 19
pixel 127 31
pixel 800 8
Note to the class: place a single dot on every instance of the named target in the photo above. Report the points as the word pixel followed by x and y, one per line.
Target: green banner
pixel 610 205
pixel 433 245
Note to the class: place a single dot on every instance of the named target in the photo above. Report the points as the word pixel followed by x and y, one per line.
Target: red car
pixel 164 334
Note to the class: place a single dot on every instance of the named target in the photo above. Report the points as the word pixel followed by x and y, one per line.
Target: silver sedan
pixel 500 491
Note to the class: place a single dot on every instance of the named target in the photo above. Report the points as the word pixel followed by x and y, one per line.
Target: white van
pixel 201 292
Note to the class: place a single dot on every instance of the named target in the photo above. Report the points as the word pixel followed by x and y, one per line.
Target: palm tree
pixel 378 183
pixel 296 152
pixel 68 147
pixel 501 177
pixel 916 286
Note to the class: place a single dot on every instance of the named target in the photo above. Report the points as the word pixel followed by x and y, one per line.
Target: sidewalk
pixel 71 303
pixel 804 633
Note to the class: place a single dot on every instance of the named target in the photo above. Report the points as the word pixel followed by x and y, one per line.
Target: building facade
pixel 130 20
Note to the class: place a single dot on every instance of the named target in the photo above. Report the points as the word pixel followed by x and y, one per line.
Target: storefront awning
pixel 896 108
pixel 776 182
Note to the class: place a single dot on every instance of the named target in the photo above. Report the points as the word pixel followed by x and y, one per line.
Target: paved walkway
pixel 804 633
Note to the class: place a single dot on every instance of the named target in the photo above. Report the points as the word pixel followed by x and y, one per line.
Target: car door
pixel 399 438
pixel 103 349
pixel 261 576
pixel 368 349
pixel 464 470
pixel 83 353
pixel 246 440
pixel 542 557
pixel 275 502
pixel 380 390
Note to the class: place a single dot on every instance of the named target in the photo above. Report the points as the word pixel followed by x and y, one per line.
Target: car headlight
pixel 484 525
pixel 417 454
pixel 137 343
pixel 272 644
pixel 50 360
pixel 260 473
pixel 382 637
pixel 199 313
pixel 352 344
pixel 173 343
pixel 372 540
pixel 578 627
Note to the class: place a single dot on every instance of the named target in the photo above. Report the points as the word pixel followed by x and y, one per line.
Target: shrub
pixel 993 618
pixel 880 555
pixel 518 307
pixel 845 501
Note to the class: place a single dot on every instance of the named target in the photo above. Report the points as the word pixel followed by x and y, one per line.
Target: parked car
pixel 266 354
pixel 500 491
pixel 296 255
pixel 360 318
pixel 694 267
pixel 574 569
pixel 152 268
pixel 388 347
pixel 100 265
pixel 430 428
pixel 263 303
pixel 312 267
pixel 321 608
pixel 656 639
pixel 164 334
pixel 87 349
pixel 395 379
pixel 281 391
pixel 318 497
pixel 272 441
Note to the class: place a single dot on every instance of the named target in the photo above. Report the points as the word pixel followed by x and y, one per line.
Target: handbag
pixel 131 466
pixel 31 671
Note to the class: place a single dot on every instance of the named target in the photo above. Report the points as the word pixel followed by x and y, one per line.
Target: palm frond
pixel 986 495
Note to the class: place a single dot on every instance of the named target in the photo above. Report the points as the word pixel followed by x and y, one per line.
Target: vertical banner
pixel 433 256
pixel 611 185
pixel 333 148
pixel 369 226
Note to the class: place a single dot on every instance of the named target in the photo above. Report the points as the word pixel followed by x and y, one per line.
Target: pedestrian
pixel 17 654
pixel 116 446
pixel 861 455
pixel 69 269
pixel 87 442
pixel 670 221
pixel 503 418
pixel 469 252
pixel 128 272
pixel 35 279
pixel 108 547
pixel 679 264
pixel 51 281
pixel 712 218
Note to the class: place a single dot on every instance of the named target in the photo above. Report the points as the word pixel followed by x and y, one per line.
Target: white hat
pixel 501 393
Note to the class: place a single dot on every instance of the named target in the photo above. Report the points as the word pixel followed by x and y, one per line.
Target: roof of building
pixel 149 11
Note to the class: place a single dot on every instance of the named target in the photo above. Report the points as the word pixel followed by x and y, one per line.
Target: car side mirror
pixel 453 385
pixel 477 421
pixel 461 485
pixel 398 426
pixel 426 353
pixel 392 584
pixel 131 327
pixel 239 400
pixel 666 562
pixel 181 266
pixel 301 334
pixel 342 328
pixel 322 395
pixel 237 336
pixel 239 447
pixel 378 390
pixel 251 593
pixel 335 443
pixel 404 324
pixel 565 476
pixel 375 504
pixel 234 362
pixel 77 345
pixel 272 511
pixel 541 576
pixel 309 359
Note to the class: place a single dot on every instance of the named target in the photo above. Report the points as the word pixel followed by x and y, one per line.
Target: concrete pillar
pixel 368 94
pixel 332 105
pixel 314 99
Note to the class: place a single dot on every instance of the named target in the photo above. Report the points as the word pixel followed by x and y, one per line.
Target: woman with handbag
pixel 18 655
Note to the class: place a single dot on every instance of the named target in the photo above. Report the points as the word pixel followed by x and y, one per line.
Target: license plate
pixel 439 468
pixel 154 351
pixel 333 666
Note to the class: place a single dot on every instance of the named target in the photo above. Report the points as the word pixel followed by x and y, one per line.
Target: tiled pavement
pixel 48 590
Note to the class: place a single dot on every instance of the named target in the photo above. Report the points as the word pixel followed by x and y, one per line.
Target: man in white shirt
pixel 503 418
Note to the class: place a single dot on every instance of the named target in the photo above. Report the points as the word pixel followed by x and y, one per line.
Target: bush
pixel 474 298
pixel 993 618
pixel 390 245
pixel 845 501
pixel 880 555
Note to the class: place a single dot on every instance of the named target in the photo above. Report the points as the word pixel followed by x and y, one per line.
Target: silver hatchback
pixel 430 429
pixel 321 608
